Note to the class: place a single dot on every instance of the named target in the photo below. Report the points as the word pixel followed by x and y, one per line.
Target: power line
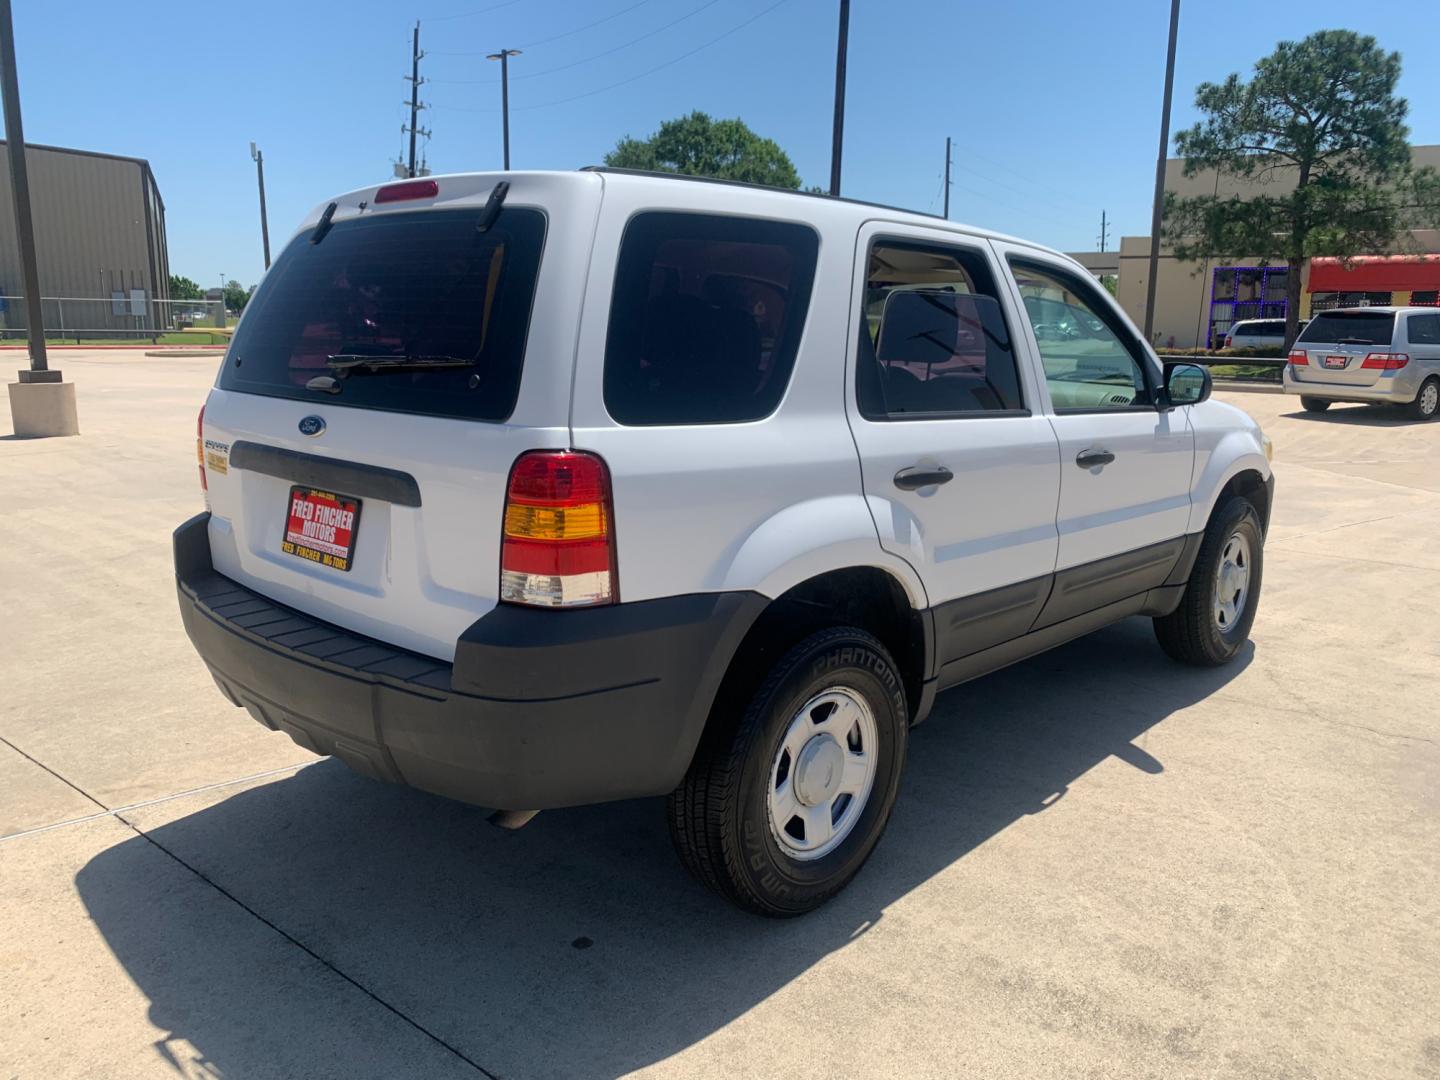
pixel 584 60
pixel 478 11
pixel 582 29
pixel 644 74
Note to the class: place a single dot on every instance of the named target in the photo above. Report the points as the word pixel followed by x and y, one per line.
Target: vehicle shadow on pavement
pixel 1361 415
pixel 578 946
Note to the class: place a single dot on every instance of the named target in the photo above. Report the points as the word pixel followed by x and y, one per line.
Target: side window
pixel 934 343
pixel 1091 360
pixel 1424 329
pixel 706 317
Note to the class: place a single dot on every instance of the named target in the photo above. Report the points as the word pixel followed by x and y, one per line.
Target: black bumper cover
pixel 540 708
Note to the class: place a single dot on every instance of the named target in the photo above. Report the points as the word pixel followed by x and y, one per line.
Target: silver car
pixel 1377 355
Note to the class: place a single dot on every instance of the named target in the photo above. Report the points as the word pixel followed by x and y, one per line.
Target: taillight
pixel 411 189
pixel 1386 361
pixel 1298 358
pixel 558 545
pixel 1229 342
pixel 200 448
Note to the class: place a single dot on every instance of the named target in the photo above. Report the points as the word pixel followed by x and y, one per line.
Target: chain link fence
pixel 119 319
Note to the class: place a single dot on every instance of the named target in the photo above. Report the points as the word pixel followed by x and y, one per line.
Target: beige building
pixel 99 240
pixel 1196 302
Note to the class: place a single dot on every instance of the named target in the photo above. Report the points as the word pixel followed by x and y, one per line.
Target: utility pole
pixel 1157 210
pixel 1104 232
pixel 20 191
pixel 41 402
pixel 415 104
pixel 838 132
pixel 504 57
pixel 259 159
pixel 947 178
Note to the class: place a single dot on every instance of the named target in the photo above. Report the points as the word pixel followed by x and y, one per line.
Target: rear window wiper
pixel 1354 341
pixel 346 363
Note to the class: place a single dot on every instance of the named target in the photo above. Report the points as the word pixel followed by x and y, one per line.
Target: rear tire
pixel 1214 617
pixel 781 757
pixel 1427 402
pixel 1314 404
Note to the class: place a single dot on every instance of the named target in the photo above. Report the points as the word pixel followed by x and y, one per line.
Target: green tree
pixel 1320 120
pixel 182 288
pixel 236 295
pixel 700 146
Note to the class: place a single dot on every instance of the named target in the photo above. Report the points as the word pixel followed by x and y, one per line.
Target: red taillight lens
pixel 1229 342
pixel 200 448
pixel 557 549
pixel 1386 361
pixel 411 189
pixel 1298 358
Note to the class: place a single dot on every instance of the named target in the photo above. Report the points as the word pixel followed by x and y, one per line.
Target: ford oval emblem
pixel 313 426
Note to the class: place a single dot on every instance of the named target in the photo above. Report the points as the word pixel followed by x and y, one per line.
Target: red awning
pixel 1375 273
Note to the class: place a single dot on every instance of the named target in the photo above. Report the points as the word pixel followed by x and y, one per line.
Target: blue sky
pixel 1054 106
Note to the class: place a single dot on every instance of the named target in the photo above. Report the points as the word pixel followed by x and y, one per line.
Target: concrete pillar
pixel 42 405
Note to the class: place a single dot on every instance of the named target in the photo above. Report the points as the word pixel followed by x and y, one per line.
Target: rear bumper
pixel 540 708
pixel 1390 388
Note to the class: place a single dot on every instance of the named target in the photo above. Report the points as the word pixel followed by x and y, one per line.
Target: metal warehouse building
pixel 100 240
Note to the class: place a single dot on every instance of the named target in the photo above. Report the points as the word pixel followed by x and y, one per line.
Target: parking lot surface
pixel 1101 864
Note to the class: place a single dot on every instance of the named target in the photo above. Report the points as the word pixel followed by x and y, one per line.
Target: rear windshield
pixel 421 285
pixel 706 317
pixel 1350 328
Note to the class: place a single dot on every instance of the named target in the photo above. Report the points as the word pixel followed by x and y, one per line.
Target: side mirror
pixel 1186 384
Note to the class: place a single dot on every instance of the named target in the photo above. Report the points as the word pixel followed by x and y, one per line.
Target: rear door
pixel 1125 466
pixel 960 468
pixel 1335 346
pixel 378 389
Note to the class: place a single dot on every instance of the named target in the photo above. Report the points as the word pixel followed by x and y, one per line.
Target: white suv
pixel 553 489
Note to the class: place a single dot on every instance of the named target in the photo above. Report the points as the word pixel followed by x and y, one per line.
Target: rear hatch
pixel 381 384
pixel 1335 346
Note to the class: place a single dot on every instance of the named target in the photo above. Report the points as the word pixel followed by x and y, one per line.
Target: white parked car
pixel 543 489
pixel 1257 334
pixel 1376 356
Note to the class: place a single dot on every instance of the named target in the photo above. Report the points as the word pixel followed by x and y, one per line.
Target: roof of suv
pixel 737 194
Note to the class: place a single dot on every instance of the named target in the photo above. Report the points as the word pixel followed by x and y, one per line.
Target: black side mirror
pixel 1186 384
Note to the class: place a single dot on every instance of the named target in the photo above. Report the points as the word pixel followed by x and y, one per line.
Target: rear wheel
pixel 1427 402
pixel 1314 404
pixel 781 808
pixel 1215 614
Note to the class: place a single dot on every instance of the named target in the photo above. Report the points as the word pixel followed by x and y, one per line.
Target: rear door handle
pixel 1093 459
pixel 916 477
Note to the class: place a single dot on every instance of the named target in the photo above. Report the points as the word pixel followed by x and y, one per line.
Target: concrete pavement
pixel 1101 864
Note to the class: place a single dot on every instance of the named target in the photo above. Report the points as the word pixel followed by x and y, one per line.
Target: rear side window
pixel 935 343
pixel 424 289
pixel 1424 329
pixel 1350 328
pixel 706 317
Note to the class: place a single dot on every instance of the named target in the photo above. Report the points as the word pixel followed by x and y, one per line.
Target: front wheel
pixel 1427 401
pixel 782 807
pixel 1215 614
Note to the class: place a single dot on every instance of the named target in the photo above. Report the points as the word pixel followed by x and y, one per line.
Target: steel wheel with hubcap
pixel 1427 401
pixel 823 773
pixel 1232 581
pixel 785 801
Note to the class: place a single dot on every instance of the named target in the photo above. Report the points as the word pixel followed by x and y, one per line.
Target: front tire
pixel 1214 617
pixel 821 746
pixel 1314 404
pixel 1427 402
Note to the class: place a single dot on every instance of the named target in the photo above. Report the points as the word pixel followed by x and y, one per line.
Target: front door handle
pixel 1093 459
pixel 916 477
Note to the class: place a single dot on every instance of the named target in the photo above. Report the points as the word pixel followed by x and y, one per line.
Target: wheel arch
pixel 1245 473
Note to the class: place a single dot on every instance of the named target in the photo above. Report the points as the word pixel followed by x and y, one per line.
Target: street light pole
pixel 20 191
pixel 259 158
pixel 504 57
pixel 837 135
pixel 1158 208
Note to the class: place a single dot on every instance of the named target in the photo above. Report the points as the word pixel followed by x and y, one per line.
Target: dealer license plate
pixel 320 526
pixel 1336 361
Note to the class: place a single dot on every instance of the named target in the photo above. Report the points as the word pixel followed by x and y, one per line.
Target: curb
pixel 1247 387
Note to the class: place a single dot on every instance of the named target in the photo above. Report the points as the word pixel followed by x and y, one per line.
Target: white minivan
pixel 543 489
